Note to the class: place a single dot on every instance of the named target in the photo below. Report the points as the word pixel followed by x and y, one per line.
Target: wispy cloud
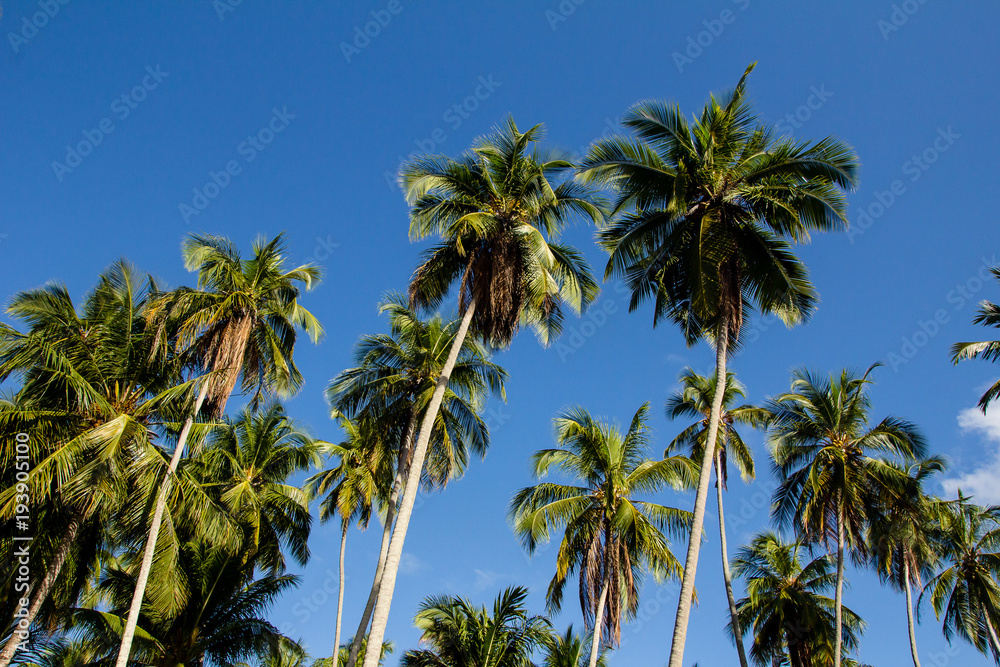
pixel 983 481
pixel 410 564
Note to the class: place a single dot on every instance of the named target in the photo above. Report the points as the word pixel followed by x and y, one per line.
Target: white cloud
pixel 983 483
pixel 410 564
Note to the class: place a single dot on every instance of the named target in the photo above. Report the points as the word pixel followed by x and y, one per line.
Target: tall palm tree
pixel 988 315
pixel 89 401
pixel 966 592
pixel 240 322
pixel 822 443
pixel 713 207
pixel 498 212
pixel 694 400
pixel 786 605
pixel 351 489
pixel 461 634
pixel 610 536
pixel 900 539
pixel 394 380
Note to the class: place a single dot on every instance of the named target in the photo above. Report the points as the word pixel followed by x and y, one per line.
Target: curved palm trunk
pixel 340 590
pixel 380 616
pixel 42 592
pixel 993 634
pixel 595 643
pixel 839 601
pixel 737 634
pixel 909 613
pixel 402 469
pixel 704 478
pixel 154 532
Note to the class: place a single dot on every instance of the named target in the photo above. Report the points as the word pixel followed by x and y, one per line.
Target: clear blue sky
pixel 914 79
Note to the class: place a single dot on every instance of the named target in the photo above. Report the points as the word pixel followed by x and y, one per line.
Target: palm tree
pixel 351 489
pixel 569 650
pixel 713 208
pixel 394 380
pixel 461 634
pixel 345 650
pixel 240 323
pixel 694 400
pixel 822 443
pixel 498 212
pixel 610 536
pixel 988 315
pixel 966 592
pixel 786 606
pixel 901 545
pixel 89 400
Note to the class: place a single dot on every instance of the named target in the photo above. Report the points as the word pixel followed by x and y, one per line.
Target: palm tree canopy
pixel 570 650
pixel 609 532
pixel 499 212
pixel 988 315
pixel 708 209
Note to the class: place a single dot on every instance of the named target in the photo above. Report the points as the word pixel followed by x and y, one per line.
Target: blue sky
pixel 127 126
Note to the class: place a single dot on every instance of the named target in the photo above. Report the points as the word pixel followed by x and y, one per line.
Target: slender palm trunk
pixel 993 634
pixel 909 613
pixel 154 532
pixel 340 590
pixel 595 643
pixel 402 469
pixel 839 601
pixel 42 592
pixel 380 616
pixel 704 478
pixel 737 634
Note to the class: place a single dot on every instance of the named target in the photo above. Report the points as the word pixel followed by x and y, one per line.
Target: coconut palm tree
pixel 966 592
pixel 694 400
pixel 988 315
pixel 498 211
pixel 569 650
pixel 610 536
pixel 786 605
pixel 900 540
pixel 823 442
pixel 89 401
pixel 709 211
pixel 351 488
pixel 394 380
pixel 240 322
pixel 345 651
pixel 460 634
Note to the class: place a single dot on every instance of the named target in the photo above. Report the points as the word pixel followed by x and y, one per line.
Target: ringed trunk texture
pixel 595 643
pixel 340 591
pixel 704 478
pixel 402 469
pixel 154 532
pixel 909 614
pixel 42 592
pixel 839 601
pixel 737 634
pixel 380 616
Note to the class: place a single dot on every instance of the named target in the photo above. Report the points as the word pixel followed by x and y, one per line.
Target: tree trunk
pixel 704 478
pixel 42 592
pixel 994 640
pixel 380 616
pixel 839 601
pixel 154 532
pixel 340 591
pixel 595 643
pixel 909 614
pixel 737 634
pixel 402 469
